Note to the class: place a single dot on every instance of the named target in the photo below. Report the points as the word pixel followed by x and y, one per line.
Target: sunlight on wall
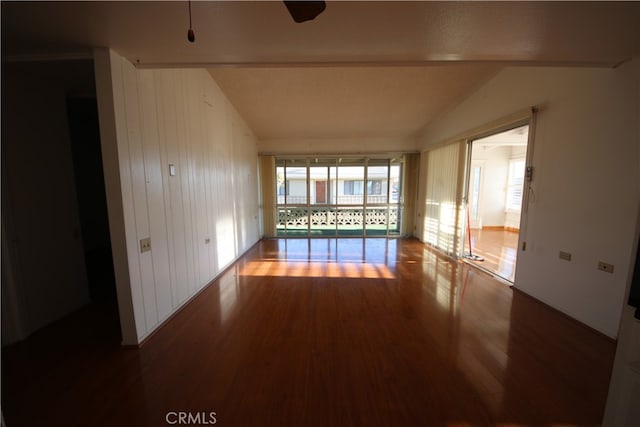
pixel 441 210
pixel 440 225
pixel 226 241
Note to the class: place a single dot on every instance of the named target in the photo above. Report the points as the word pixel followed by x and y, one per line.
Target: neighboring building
pixel 346 189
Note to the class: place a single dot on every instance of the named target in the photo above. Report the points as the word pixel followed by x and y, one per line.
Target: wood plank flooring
pixel 326 332
pixel 498 248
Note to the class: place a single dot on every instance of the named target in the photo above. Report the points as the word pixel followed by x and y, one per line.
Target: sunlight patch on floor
pixel 363 270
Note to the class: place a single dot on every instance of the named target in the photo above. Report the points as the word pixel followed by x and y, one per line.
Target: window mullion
pixel 365 193
pixel 388 194
pixel 308 197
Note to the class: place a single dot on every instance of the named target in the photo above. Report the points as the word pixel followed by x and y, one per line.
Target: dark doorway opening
pixel 84 133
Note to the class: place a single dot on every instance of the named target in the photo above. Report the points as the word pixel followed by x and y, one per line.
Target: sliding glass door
pixel 338 196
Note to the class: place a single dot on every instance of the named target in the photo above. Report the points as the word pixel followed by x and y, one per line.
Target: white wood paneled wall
pixel 203 218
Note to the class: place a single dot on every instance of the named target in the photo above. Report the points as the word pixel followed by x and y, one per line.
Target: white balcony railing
pixel 298 217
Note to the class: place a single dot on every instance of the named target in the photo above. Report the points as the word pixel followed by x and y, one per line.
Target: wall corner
pixel 103 62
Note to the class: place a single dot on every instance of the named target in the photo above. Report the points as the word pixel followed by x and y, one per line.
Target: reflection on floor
pixel 498 248
pixel 394 335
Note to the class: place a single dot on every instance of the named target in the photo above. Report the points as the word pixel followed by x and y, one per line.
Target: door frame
pixel 527 190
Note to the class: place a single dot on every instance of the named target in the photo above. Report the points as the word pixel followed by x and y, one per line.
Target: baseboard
pixel 145 338
pixel 566 315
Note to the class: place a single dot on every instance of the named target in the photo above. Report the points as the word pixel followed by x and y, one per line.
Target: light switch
pixel 606 267
pixel 566 256
pixel 145 245
pixel 172 169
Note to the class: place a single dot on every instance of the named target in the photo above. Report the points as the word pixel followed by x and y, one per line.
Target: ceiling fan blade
pixel 302 11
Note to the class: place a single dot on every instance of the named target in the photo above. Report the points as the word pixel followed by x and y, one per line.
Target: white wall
pixel 200 220
pixel 586 180
pixel 624 390
pixel 43 260
pixel 493 184
pixel 297 187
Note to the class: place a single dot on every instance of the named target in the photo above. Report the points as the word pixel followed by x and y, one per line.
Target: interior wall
pixel 493 190
pixel 586 181
pixel 267 194
pixel 512 218
pixel 39 206
pixel 624 390
pixel 199 220
pixel 410 194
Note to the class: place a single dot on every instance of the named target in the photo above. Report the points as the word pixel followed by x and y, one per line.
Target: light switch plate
pixel 603 266
pixel 145 245
pixel 564 255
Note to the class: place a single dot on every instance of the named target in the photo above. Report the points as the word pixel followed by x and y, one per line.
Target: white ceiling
pixel 339 102
pixel 366 69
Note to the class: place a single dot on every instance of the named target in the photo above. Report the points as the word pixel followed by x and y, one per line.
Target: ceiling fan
pixel 300 11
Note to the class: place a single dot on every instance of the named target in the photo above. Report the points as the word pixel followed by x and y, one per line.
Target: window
pixel 354 188
pixel 283 188
pixel 374 187
pixel 514 184
pixel 326 197
pixel 475 191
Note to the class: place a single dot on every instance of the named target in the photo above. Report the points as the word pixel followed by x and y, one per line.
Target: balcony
pixel 341 221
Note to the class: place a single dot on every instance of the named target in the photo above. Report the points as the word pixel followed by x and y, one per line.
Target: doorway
pixel 321 191
pixel 495 190
pixel 84 134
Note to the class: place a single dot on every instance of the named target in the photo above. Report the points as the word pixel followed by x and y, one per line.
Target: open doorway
pixel 84 134
pixel 495 189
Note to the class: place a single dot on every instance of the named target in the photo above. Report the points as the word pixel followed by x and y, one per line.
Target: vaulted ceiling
pixel 339 102
pixel 360 69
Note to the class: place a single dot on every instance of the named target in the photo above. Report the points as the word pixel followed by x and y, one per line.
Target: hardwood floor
pixel 498 248
pixel 326 332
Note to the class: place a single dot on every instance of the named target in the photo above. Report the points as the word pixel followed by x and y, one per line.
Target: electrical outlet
pixel 565 256
pixel 145 245
pixel 207 240
pixel 603 266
